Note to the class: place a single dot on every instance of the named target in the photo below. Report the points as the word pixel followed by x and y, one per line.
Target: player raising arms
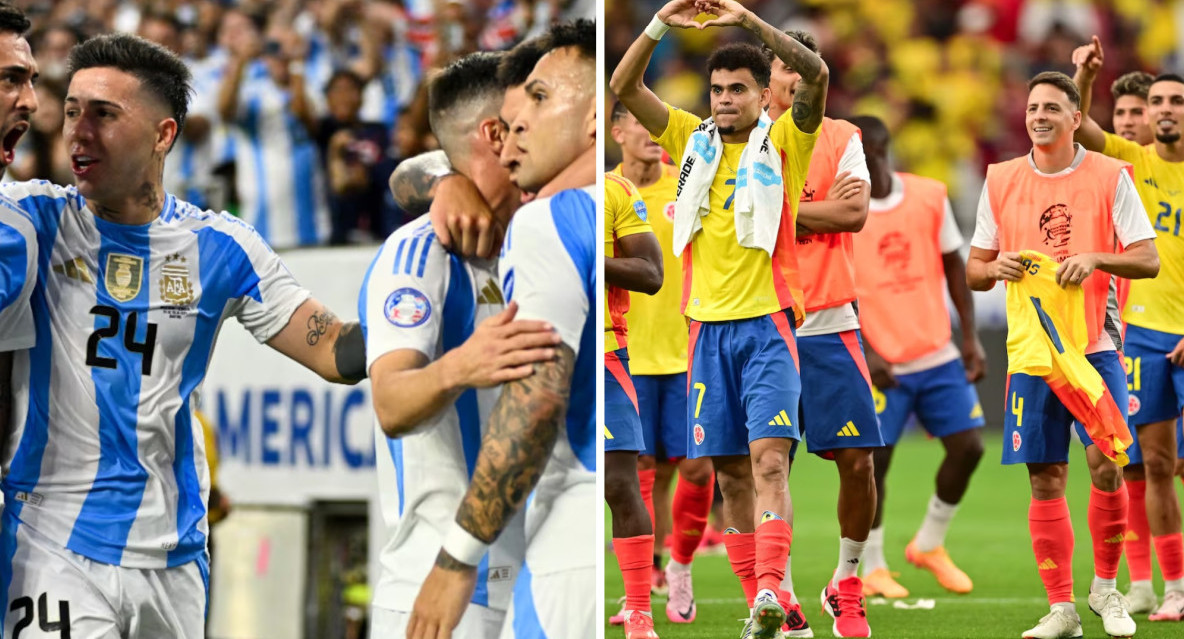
pixel 107 489
pixel 908 246
pixel 541 439
pixel 735 211
pixel 1154 315
pixel 1075 205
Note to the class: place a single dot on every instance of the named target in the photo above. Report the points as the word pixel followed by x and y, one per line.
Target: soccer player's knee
pixel 695 473
pixel 1158 464
pixel 1106 476
pixel 618 488
pixel 862 467
pixel 971 452
pixel 771 467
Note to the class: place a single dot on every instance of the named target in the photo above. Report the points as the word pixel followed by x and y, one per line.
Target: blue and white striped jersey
pixel 278 174
pixel 18 274
pixel 548 266
pixel 105 457
pixel 189 166
pixel 419 296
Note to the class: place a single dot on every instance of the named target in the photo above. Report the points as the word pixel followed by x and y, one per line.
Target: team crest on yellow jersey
pixel 123 276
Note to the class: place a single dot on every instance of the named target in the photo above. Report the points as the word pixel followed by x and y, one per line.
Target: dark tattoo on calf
pixel 446 561
pixel 522 431
pixel 319 324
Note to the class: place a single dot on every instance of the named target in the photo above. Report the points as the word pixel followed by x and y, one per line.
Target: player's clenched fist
pixel 1006 267
pixel 502 349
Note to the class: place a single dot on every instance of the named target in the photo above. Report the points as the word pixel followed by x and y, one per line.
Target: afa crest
pixel 122 276
pixel 175 287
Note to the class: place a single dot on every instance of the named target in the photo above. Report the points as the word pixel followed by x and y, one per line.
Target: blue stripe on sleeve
pixel 423 257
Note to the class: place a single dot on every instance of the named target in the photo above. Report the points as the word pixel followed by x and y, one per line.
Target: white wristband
pixel 656 28
pixel 464 547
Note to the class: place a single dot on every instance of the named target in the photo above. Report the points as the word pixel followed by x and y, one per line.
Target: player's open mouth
pixel 10 139
pixel 1041 129
pixel 1164 124
pixel 80 164
pixel 1127 135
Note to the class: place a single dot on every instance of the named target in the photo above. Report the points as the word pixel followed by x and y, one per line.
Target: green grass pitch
pixel 988 539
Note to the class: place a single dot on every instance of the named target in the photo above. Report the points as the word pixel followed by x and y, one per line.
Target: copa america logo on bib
pixel 407 308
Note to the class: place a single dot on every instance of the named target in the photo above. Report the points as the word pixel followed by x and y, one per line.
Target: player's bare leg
pixel 963 449
pixel 1158 443
pixel 660 509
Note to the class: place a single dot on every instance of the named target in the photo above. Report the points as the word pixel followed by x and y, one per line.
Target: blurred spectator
pixel 271 112
pixel 352 153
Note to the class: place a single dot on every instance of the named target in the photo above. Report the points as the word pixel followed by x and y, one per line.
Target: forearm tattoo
pixel 349 351
pixel 446 561
pixel 319 324
pixel 523 429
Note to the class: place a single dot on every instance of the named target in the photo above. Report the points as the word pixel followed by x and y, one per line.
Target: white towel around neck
pixel 757 203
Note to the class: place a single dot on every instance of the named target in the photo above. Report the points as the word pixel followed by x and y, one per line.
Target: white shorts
pixel 478 622
pixel 51 588
pixel 561 604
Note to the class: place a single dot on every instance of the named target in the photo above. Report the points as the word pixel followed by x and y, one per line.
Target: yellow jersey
pixel 1156 303
pixel 624 215
pixel 723 280
pixel 659 344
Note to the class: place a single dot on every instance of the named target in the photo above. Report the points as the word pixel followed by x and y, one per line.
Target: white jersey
pixel 419 296
pixel 277 170
pixel 548 266
pixel 18 274
pixel 105 457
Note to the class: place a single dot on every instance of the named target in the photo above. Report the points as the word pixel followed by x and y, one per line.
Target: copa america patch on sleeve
pixel 407 308
pixel 639 207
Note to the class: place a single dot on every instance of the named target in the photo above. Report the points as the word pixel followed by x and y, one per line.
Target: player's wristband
pixel 656 28
pixel 464 547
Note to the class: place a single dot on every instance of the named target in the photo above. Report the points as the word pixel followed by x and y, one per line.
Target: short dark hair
pixel 871 129
pixel 159 70
pixel 580 34
pixel 741 55
pixel 518 62
pixel 1134 83
pixel 1060 81
pixel 804 37
pixel 13 20
pixel 1166 77
pixel 469 81
pixel 345 74
pixel 619 110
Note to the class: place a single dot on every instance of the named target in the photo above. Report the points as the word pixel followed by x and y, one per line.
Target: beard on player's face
pixel 1167 138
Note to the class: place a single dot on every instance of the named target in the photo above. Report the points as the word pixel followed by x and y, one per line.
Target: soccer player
pixel 1154 340
pixel 741 174
pixel 658 364
pixel 837 409
pixel 105 523
pixel 909 242
pixel 632 262
pixel 541 439
pixel 439 343
pixel 18 238
pixel 1130 98
pixel 1075 205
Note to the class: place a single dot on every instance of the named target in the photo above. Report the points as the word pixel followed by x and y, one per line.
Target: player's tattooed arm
pixel 414 182
pixel 316 338
pixel 523 429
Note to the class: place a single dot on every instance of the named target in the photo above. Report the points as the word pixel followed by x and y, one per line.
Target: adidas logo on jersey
pixel 74 269
pixel 1048 564
pixel 780 419
pixel 848 431
pixel 490 294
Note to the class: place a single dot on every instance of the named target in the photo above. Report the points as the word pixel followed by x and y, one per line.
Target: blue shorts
pixel 1035 422
pixel 1156 385
pixel 944 402
pixel 745 384
pixel 662 401
pixel 837 406
pixel 622 425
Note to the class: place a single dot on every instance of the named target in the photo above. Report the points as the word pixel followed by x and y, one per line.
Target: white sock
pixel 1142 583
pixel 873 552
pixel 674 566
pixel 932 533
pixel 1175 584
pixel 849 553
pixel 1100 584
pixel 1067 606
pixel 787 581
